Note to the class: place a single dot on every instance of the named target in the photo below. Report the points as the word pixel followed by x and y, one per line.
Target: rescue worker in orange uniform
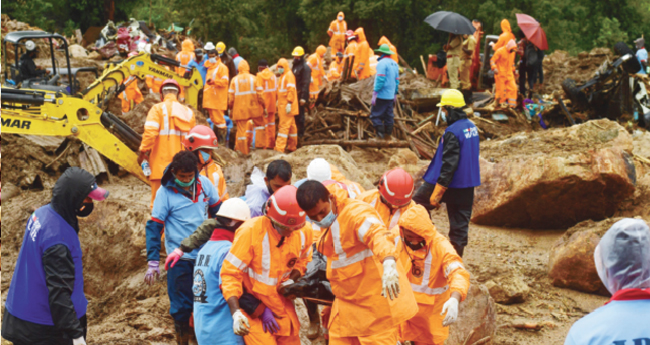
pixel 362 56
pixel 354 188
pixel 246 102
pixel 166 126
pixel 268 253
pixel 337 31
pixel 351 50
pixel 438 278
pixel 505 37
pixel 215 94
pixel 384 40
pixel 503 65
pixel 202 141
pixel 269 82
pixel 373 295
pixel 185 56
pixel 336 67
pixel 392 198
pixel 287 109
pixel 315 62
pixel 131 96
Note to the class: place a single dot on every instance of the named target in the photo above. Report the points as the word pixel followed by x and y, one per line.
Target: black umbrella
pixel 450 22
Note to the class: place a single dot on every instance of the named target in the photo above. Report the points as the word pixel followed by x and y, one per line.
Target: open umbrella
pixel 450 22
pixel 533 31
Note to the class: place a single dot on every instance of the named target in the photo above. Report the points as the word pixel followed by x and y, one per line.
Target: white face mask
pixel 212 60
pixel 340 18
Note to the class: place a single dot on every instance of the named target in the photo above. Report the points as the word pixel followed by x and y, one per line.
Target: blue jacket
pixel 642 55
pixel 387 78
pixel 236 60
pixel 200 66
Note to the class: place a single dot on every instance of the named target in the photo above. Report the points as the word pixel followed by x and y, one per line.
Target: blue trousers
pixel 179 288
pixel 381 113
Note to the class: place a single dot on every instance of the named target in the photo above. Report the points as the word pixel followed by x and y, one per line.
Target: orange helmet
pixel 396 187
pixel 167 83
pixel 283 210
pixel 200 137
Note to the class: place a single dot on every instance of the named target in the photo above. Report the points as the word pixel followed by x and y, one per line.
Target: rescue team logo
pixel 199 287
pixel 470 132
pixel 292 263
pixel 15 123
pixel 33 227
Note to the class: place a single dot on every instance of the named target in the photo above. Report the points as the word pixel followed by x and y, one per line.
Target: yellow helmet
pixel 221 47
pixel 453 98
pixel 298 51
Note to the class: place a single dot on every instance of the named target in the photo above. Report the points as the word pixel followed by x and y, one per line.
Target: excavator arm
pixel 46 113
pixel 142 65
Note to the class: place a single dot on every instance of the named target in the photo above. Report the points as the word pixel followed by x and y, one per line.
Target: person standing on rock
pixel 246 102
pixel 278 175
pixel 183 202
pixel 623 263
pixel 384 95
pixel 454 171
pixel 46 302
pixel 437 276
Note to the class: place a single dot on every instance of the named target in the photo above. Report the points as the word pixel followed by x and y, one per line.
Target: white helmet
pixel 209 46
pixel 236 209
pixel 30 45
pixel 319 170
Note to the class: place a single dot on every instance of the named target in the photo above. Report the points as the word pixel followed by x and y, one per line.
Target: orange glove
pixel 438 192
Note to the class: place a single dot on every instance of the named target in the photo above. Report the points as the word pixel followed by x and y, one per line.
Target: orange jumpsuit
pixel 131 95
pixel 354 188
pixel 246 101
pixel 384 40
pixel 434 271
pixel 315 62
pixel 269 82
pixel 505 36
pixel 388 215
pixel 213 171
pixel 185 56
pixel 257 263
pixel 356 245
pixel 215 92
pixel 506 87
pixel 166 126
pixel 287 132
pixel 337 30
pixel 153 83
pixel 362 56
pixel 335 70
pixel 350 55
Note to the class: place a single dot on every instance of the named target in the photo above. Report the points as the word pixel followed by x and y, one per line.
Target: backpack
pixel 530 53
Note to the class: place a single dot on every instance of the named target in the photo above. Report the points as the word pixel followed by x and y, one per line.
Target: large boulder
pixel 571 261
pixel 78 52
pixel 555 178
pixel 477 317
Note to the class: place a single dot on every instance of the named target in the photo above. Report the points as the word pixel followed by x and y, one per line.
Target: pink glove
pixel 374 98
pixel 269 323
pixel 173 258
pixel 153 272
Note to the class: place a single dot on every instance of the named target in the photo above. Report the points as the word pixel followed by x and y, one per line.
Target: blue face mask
pixel 204 157
pixel 444 117
pixel 184 184
pixel 280 70
pixel 327 221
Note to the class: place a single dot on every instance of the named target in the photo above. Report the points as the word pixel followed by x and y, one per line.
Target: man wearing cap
pixel 384 95
pixel 46 302
pixel 199 63
pixel 28 69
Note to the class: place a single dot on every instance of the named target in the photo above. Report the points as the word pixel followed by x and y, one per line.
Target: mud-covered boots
pixel 379 130
pixel 388 134
pixel 183 332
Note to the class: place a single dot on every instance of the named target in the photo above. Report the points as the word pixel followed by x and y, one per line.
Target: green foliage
pixel 70 27
pixel 34 12
pixel 610 33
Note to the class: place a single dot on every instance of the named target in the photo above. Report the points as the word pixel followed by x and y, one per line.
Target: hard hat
pixel 221 47
pixel 283 210
pixel 168 85
pixel 200 137
pixel 384 49
pixel 209 46
pixel 30 46
pixel 236 209
pixel 349 33
pixel 298 51
pixel 319 170
pixel 396 187
pixel 453 98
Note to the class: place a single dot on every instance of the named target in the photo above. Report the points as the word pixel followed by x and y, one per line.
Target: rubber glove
pixel 390 280
pixel 451 308
pixel 437 194
pixel 374 98
pixel 288 109
pixel 173 258
pixel 302 102
pixel 79 341
pixel 269 323
pixel 240 324
pixel 395 99
pixel 153 272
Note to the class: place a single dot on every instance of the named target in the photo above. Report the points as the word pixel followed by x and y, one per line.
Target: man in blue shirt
pixel 641 54
pixel 236 59
pixel 46 302
pixel 454 171
pixel 623 263
pixel 199 63
pixel 278 175
pixel 183 202
pixel 385 92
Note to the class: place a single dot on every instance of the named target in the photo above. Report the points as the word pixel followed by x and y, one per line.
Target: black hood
pixel 454 114
pixel 69 193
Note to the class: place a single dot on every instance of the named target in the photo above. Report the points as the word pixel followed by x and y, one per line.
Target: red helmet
pixel 168 83
pixel 283 210
pixel 396 187
pixel 200 137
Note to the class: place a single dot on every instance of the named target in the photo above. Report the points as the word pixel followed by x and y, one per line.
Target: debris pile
pixel 559 66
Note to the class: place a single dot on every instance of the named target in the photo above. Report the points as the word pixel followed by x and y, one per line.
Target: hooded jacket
pixel 185 56
pixel 362 55
pixel 384 40
pixel 59 269
pixel 269 81
pixel 302 73
pixel 338 29
pixel 506 35
pixel 245 96
pixel 287 92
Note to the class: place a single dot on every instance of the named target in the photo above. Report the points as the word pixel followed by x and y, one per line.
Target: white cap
pixel 319 170
pixel 209 46
pixel 236 209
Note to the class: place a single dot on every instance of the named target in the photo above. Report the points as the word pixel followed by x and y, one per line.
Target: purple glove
pixel 395 99
pixel 374 98
pixel 269 323
pixel 153 272
pixel 173 258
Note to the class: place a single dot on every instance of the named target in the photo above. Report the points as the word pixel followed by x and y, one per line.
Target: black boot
pixel 467 94
pixel 183 332
pixel 380 132
pixel 388 134
pixel 459 249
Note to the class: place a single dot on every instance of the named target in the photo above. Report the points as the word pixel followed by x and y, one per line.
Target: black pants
pixel 21 332
pixel 525 73
pixel 300 121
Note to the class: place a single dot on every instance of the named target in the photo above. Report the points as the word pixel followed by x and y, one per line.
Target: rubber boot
pixel 221 135
pixel 459 249
pixel 183 332
pixel 388 134
pixel 313 332
pixel 468 95
pixel 380 132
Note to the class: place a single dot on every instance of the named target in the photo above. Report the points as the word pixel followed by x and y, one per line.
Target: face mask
pixel 281 70
pixel 340 18
pixel 416 246
pixel 212 60
pixel 282 231
pixel 85 210
pixel 444 117
pixel 327 221
pixel 184 184
pixel 204 157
